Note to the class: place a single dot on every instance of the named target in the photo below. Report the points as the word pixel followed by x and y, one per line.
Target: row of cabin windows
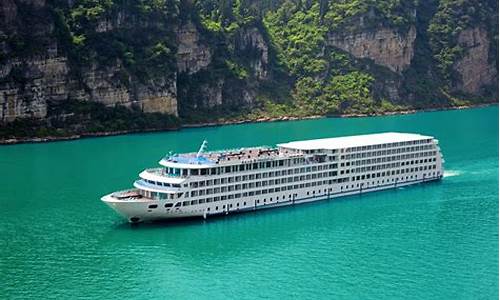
pixel 302 170
pixel 240 168
pixel 377 167
pixel 283 197
pixel 312 184
pixel 392 173
pixel 295 171
pixel 223 198
pixel 388 180
pixel 321 151
pixel 388 145
pixel 245 167
pixel 385 153
pixel 249 177
pixel 159 183
pixel 164 196
pixel 390 158
pixel 263 192
pixel 228 205
pixel 251 185
pixel 159 196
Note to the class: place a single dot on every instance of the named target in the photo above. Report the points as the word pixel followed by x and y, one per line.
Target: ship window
pixel 178 204
pixel 153 206
pixel 169 205
pixel 185 203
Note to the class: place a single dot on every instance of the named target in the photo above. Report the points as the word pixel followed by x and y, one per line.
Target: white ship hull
pixel 226 182
pixel 138 210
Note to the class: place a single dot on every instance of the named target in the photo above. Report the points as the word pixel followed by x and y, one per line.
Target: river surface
pixel 430 241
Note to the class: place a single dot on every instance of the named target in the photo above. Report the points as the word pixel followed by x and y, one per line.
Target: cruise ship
pixel 204 184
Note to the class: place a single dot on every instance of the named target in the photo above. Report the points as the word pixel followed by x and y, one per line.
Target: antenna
pixel 202 148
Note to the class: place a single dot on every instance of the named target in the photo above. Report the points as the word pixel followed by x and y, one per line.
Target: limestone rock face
pixel 474 68
pixel 192 54
pixel 47 79
pixel 252 42
pixel 103 86
pixel 384 46
pixel 37 78
pixel 159 96
pixel 213 94
pixel 29 84
pixel 206 70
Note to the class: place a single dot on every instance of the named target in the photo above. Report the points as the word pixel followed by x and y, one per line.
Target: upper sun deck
pixel 201 160
pixel 224 157
pixel 353 141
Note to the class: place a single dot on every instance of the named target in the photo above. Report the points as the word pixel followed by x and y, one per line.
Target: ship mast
pixel 202 148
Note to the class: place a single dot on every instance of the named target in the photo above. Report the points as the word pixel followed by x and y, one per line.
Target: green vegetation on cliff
pixel 140 34
pixel 451 19
pixel 76 117
pixel 244 59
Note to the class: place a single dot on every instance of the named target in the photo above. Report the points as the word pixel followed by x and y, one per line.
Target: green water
pixel 431 241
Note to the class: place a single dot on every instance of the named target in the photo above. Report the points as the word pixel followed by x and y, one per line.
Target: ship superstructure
pixel 230 181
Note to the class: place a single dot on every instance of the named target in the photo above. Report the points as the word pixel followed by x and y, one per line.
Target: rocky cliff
pixel 205 60
pixel 385 46
pixel 30 83
pixel 476 68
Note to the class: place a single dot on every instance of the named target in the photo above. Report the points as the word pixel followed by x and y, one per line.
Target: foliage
pixel 238 70
pixel 77 117
pixel 299 37
pixel 304 74
pixel 92 32
pixel 452 18
pixel 392 13
pixel 346 93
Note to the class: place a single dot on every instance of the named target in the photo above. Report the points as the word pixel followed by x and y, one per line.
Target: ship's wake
pixel 451 173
